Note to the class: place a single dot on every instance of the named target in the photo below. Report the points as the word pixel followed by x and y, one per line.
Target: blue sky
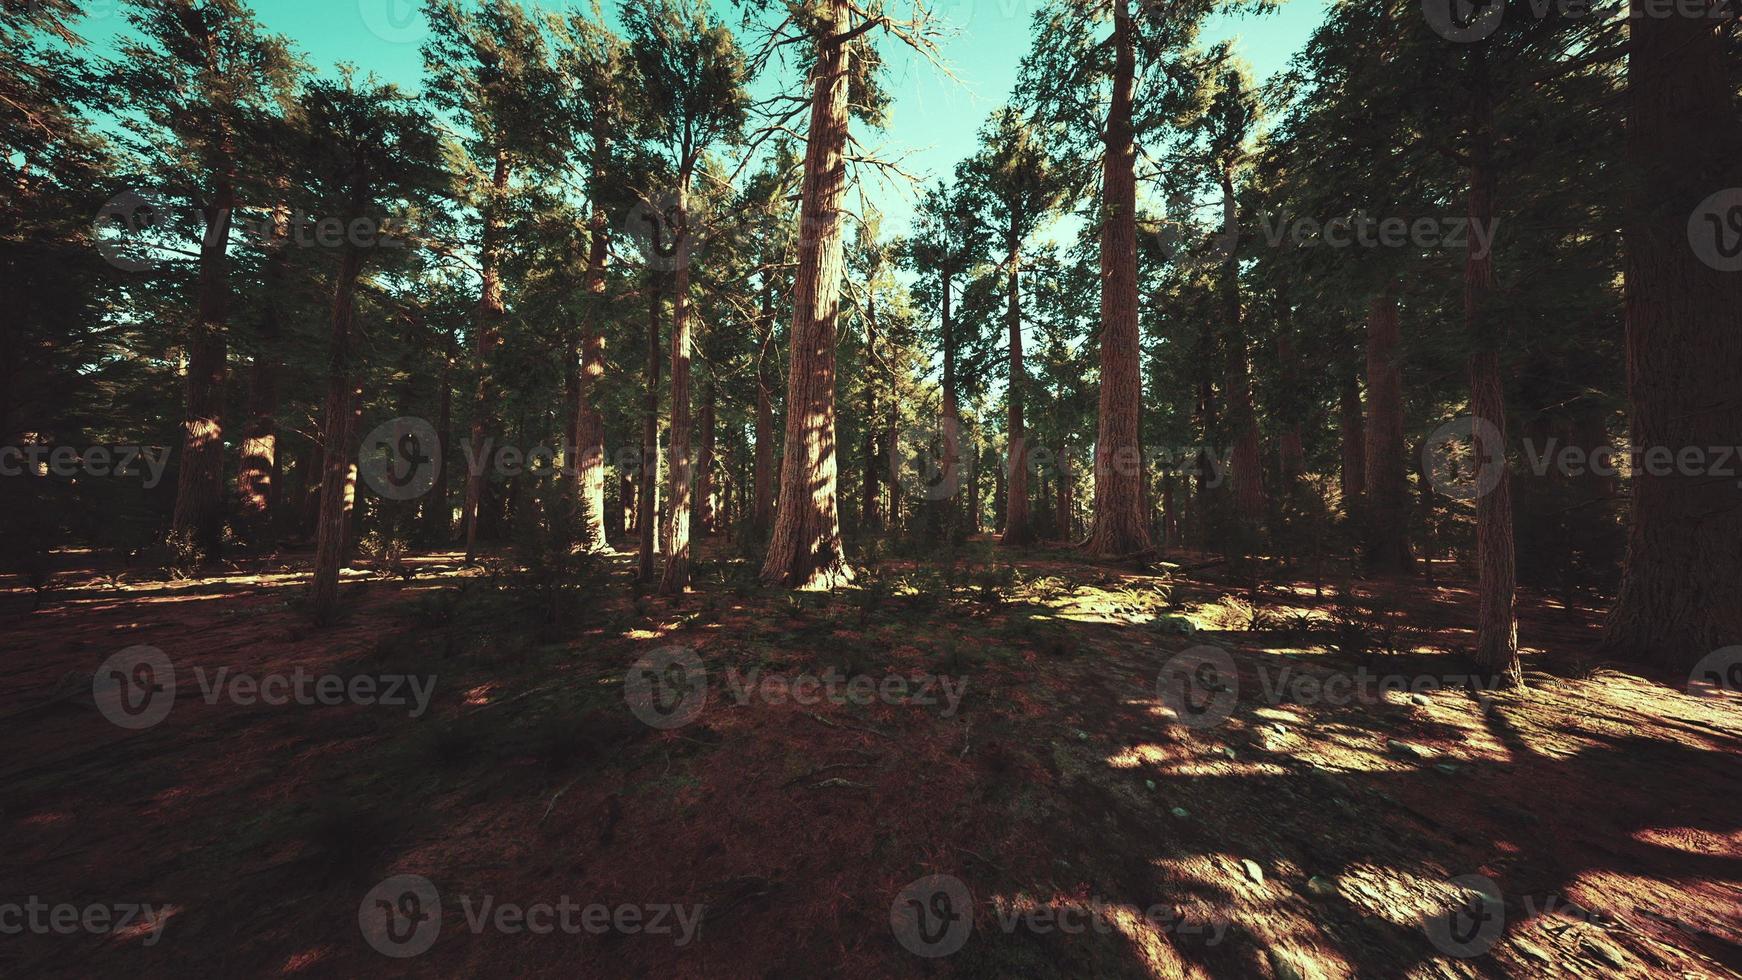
pixel 934 117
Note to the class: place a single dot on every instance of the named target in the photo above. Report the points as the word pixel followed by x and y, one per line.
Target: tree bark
pixel 589 426
pixel 337 422
pixel 707 511
pixel 762 510
pixel 199 490
pixel 1497 621
pixel 646 507
pixel 1681 588
pixel 1386 514
pixel 1247 461
pixel 805 550
pixel 1120 525
pixel 257 478
pixel 1018 525
pixel 680 477
pixel 869 518
pixel 488 337
pixel 1351 426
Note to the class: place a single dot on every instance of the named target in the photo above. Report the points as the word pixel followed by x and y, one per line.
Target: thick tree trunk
pixel 762 510
pixel 805 550
pixel 1386 514
pixel 646 481
pixel 680 476
pixel 336 458
pixel 487 338
pixel 199 489
pixel 1120 525
pixel 1681 590
pixel 1497 621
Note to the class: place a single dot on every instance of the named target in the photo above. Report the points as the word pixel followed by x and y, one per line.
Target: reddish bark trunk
pixel 1120 525
pixel 805 549
pixel 1386 513
pixel 487 338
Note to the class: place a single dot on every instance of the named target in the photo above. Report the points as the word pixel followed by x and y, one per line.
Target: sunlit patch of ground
pixel 1301 835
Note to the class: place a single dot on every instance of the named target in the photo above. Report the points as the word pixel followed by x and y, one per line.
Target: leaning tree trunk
pixel 1386 513
pixel 1497 575
pixel 199 488
pixel 675 577
pixel 762 508
pixel 646 482
pixel 1681 589
pixel 337 422
pixel 1018 525
pixel 488 338
pixel 1120 525
pixel 805 550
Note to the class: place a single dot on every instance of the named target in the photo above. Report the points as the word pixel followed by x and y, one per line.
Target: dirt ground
pixel 1276 825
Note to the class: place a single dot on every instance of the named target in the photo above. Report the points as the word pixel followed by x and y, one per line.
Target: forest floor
pixel 1310 832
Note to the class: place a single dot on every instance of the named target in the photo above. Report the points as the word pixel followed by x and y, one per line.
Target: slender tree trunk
pixel 1066 496
pixel 337 421
pixel 646 507
pixel 947 507
pixel 438 517
pixel 1248 461
pixel 1681 588
pixel 589 426
pixel 1497 621
pixel 869 518
pixel 1018 525
pixel 1351 427
pixel 1120 525
pixel 707 514
pixel 488 337
pixel 762 511
pixel 1386 514
pixel 675 578
pixel 1289 447
pixel 805 550
pixel 199 491
pixel 256 480
pixel 890 435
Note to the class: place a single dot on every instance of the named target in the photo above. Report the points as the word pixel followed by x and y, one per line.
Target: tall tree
pixel 200 73
pixel 692 75
pixel 368 149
